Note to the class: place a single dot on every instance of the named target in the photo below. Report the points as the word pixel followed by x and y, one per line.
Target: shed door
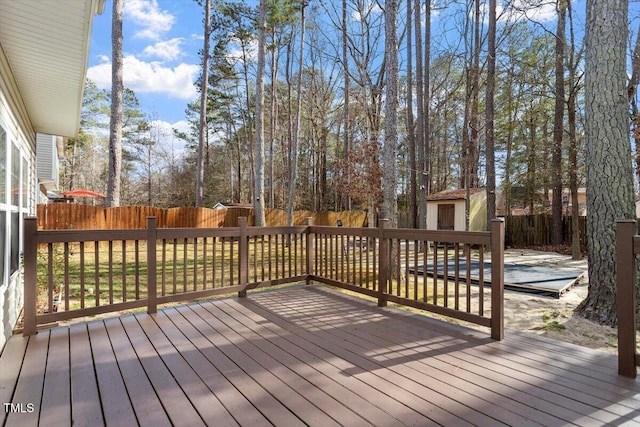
pixel 446 216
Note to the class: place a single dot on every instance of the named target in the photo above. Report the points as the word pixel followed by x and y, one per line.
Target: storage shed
pixel 446 210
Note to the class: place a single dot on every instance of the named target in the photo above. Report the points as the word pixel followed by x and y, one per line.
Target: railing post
pixel 152 234
pixel 497 279
pixel 29 277
pixel 311 250
pixel 244 256
pixel 383 263
pixel 626 297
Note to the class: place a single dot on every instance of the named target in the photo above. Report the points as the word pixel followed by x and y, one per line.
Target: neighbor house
pixel 43 60
pixel 446 210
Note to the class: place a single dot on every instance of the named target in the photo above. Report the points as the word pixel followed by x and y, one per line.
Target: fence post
pixel 497 279
pixel 30 278
pixel 626 297
pixel 383 263
pixel 310 251
pixel 152 234
pixel 244 256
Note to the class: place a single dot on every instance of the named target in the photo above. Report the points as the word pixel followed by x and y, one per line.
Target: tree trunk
pixel 558 129
pixel 576 249
pixel 293 177
pixel 426 126
pixel 273 118
pixel 421 166
pixel 490 150
pixel 608 154
pixel 202 128
pixel 390 149
pixel 413 206
pixel 346 200
pixel 258 157
pixel 474 143
pixel 115 124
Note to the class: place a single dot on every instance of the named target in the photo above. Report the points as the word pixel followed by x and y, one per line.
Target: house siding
pixel 17 195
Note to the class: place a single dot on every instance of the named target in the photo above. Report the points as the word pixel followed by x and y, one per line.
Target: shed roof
pixel 454 194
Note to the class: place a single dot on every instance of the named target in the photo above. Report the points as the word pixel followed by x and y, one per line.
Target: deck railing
pixel 89 272
pixel 628 247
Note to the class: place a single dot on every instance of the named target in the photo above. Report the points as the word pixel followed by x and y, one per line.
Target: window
pixel 3 203
pixel 15 242
pixel 15 175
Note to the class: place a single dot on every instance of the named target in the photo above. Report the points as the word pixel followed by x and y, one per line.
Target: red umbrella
pixel 83 192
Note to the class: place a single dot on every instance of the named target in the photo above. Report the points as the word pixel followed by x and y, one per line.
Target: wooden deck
pixel 303 356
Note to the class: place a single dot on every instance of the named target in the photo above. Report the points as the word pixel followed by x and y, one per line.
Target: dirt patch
pixel 551 317
pixel 555 318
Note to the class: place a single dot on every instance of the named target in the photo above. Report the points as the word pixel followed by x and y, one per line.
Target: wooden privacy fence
pixel 535 230
pixel 87 272
pixel 69 216
pixel 628 247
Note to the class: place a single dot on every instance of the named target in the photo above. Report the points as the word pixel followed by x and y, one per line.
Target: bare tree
pixel 573 85
pixel 390 149
pixel 489 114
pixel 421 85
pixel 203 128
pixel 258 149
pixel 293 177
pixel 115 124
pixel 558 127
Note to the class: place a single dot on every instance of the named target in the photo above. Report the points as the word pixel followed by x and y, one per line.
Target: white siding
pixel 19 133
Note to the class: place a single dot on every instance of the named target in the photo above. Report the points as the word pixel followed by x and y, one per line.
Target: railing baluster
pixel 96 272
pixel 457 277
pixel 124 270
pixel 195 264
pixel 81 274
pixel 66 276
pixel 110 269
pixel 468 281
pixel 214 258
pixel 185 253
pixel 415 270
pixel 50 278
pixel 481 282
pixel 425 268
pixel 435 273
pixel 175 266
pixel 445 273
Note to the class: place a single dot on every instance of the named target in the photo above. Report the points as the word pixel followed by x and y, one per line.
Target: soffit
pixel 46 43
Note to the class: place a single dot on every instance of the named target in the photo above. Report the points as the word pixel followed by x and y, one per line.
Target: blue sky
pixel 161 42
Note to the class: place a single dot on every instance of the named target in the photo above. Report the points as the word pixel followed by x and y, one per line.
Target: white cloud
pixel 534 10
pixel 147 14
pixel 163 130
pixel 368 8
pixel 149 77
pixel 168 50
pixel 235 51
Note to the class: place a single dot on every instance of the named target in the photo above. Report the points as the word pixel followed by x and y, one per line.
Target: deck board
pixel 148 408
pixel 86 407
pixel 177 405
pixel 56 396
pixel 305 355
pixel 31 381
pixel 12 358
pixel 116 404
